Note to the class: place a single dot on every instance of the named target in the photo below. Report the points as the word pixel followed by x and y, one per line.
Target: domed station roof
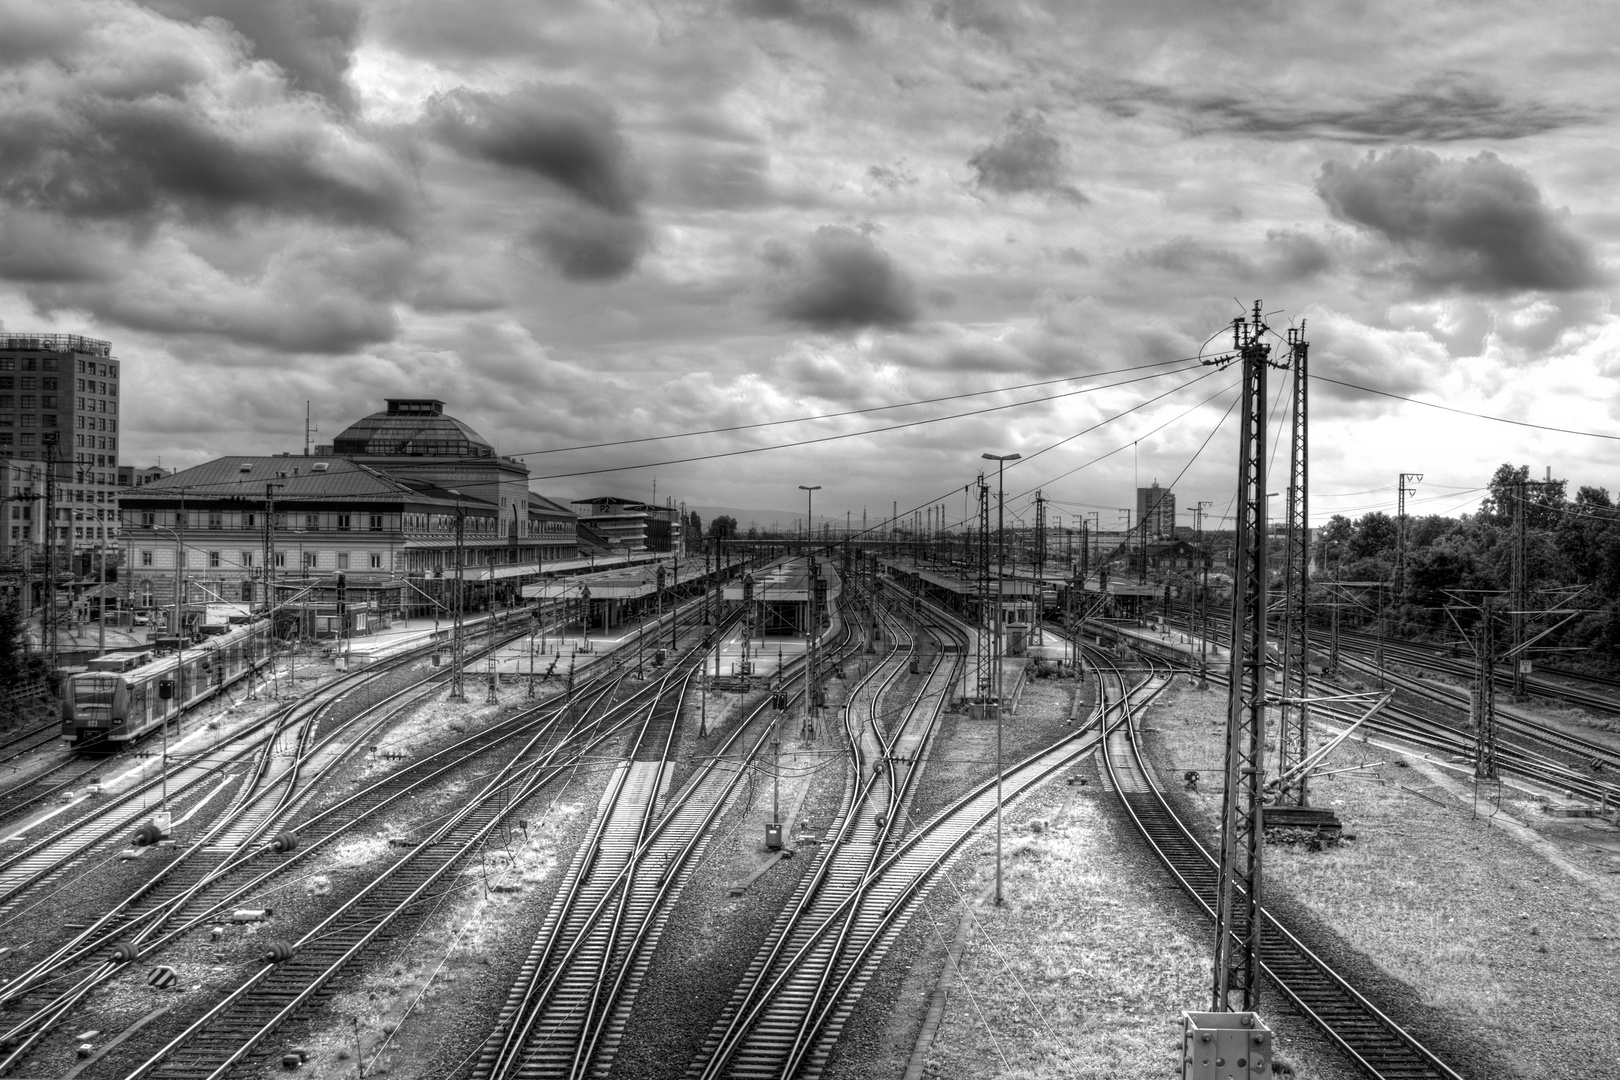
pixel 411 427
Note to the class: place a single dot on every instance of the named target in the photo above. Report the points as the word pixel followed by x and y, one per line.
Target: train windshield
pixel 94 691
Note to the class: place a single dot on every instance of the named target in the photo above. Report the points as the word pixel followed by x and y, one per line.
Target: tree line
pixel 1572 562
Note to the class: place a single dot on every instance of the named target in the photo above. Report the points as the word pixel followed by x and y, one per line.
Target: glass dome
pixel 411 427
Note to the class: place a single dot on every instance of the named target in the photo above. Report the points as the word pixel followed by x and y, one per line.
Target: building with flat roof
pixel 59 402
pixel 130 476
pixel 1156 511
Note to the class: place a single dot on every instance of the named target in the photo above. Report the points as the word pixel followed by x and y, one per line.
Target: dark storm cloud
pixel 566 134
pixel 840 280
pixel 1286 255
pixel 311 40
pixel 1440 108
pixel 587 244
pixel 570 137
pixel 1476 224
pixel 1026 158
pixel 812 16
pixel 326 292
pixel 142 120
pixel 104 158
pixel 37 247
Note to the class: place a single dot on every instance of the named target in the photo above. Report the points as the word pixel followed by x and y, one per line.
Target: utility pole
pixel 1521 579
pixel 1198 518
pixel 1484 709
pixel 1401 492
pixel 1237 933
pixel 1001 604
pixel 1293 740
pixel 982 650
pixel 1040 534
pixel 812 691
pixel 458 642
pixel 47 618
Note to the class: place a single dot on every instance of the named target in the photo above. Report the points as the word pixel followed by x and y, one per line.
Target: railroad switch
pixel 1224 1046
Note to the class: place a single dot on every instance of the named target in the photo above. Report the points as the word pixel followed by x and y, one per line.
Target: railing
pixel 67 343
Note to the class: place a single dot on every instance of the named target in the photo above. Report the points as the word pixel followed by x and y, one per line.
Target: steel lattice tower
pixel 1401 492
pixel 1519 588
pixel 1293 742
pixel 458 640
pixel 1237 929
pixel 982 649
pixel 1484 706
pixel 1040 533
pixel 47 617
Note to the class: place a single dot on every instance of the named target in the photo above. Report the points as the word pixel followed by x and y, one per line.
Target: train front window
pixel 94 691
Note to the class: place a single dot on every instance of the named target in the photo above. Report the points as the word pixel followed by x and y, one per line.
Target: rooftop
pixel 65 343
pixel 411 427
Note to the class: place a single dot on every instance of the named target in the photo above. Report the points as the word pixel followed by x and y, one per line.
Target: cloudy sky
pixel 586 221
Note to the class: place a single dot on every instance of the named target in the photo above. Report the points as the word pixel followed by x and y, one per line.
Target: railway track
pixel 1515 734
pixel 206 878
pixel 235 1030
pixel 1373 1041
pixel 771 1025
pixel 565 1014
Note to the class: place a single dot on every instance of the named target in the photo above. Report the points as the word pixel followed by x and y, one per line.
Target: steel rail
pixel 1373 1041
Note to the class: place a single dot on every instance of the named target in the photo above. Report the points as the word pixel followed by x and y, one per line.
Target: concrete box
pixel 1224 1046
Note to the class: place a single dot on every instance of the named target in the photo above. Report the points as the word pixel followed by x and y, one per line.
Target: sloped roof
pixel 298 477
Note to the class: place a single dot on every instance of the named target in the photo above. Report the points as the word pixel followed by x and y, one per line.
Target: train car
pixel 122 700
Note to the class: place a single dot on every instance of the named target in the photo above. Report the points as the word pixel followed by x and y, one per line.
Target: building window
pixel 148 519
pixel 248 520
pixel 343 560
pixel 180 519
pixel 281 558
pixel 376 561
pixel 146 594
pixel 343 522
pixel 312 522
pixel 216 520
pixel 247 592
pixel 146 558
pixel 247 558
pixel 309 560
pixel 376 523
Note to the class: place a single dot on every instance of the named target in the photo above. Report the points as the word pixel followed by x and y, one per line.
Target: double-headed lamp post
pixel 810 623
pixel 995 651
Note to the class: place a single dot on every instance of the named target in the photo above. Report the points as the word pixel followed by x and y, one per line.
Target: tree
pixel 1375 534
pixel 1543 503
pixel 18 666
pixel 723 527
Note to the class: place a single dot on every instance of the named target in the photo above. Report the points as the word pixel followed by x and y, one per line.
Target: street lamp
pixel 995 651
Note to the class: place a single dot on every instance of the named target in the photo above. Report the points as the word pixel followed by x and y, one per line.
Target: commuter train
pixel 111 707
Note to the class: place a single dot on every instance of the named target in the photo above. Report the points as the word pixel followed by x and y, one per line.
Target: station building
pixel 388 505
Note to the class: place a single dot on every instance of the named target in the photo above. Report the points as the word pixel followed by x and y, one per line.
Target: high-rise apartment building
pixel 1156 510
pixel 59 402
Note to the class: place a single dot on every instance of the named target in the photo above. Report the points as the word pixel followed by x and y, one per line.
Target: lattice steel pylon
pixel 1293 739
pixel 982 657
pixel 1401 492
pixel 1484 704
pixel 1237 929
pixel 458 639
pixel 1519 585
